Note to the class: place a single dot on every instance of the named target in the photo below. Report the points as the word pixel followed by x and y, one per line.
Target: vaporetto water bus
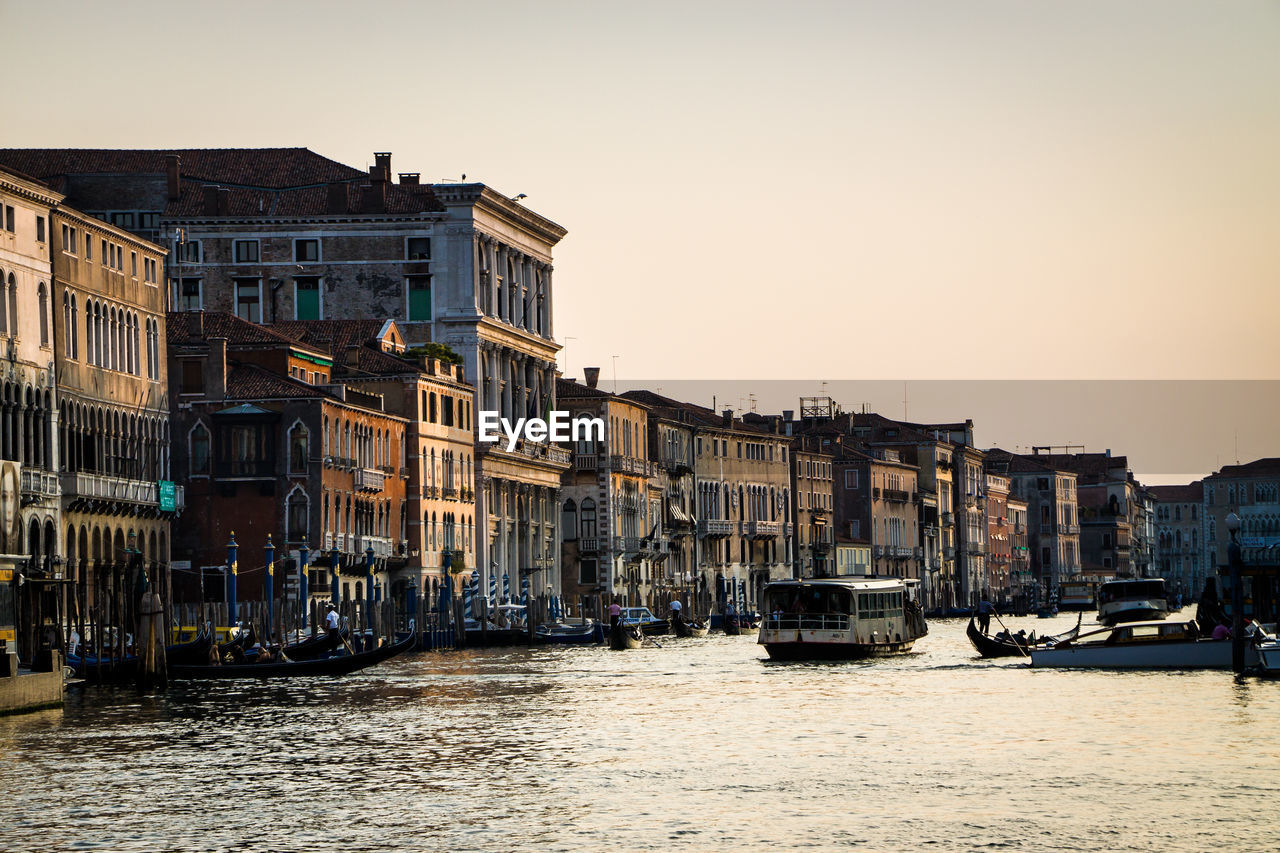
pixel 839 618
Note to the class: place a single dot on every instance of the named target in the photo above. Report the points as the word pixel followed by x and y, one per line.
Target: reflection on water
pixel 698 744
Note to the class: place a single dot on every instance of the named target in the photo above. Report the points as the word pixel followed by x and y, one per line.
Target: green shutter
pixel 308 300
pixel 420 299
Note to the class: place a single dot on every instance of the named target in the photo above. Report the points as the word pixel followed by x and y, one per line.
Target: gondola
pixel 314 647
pixel 559 633
pixel 731 626
pixel 689 629
pixel 990 647
pixel 119 668
pixel 339 665
pixel 623 637
pixel 193 652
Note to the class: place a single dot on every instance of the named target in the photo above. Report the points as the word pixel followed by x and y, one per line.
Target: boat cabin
pixel 1112 591
pixel 828 606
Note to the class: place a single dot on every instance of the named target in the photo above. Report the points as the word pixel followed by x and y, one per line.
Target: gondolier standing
pixel 615 611
pixel 675 610
pixel 331 621
pixel 985 609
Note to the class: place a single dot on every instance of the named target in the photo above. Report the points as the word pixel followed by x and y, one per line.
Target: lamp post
pixel 335 585
pixel 268 586
pixel 232 550
pixel 304 555
pixel 368 586
pixel 1234 563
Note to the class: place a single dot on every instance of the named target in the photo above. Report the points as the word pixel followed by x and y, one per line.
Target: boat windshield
pixel 808 599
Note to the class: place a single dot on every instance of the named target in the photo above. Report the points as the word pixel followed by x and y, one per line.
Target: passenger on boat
pixel 265 655
pixel 215 659
pixel 1222 631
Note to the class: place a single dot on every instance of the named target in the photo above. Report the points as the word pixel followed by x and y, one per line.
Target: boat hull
pixel 1149 610
pixel 1189 654
pixel 833 650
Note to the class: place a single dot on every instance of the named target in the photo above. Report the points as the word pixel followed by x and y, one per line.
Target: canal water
pixel 698 745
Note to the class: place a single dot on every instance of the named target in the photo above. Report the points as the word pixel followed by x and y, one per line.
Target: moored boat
pixel 622 637
pixel 1011 646
pixel 1139 600
pixel 337 665
pixel 643 617
pixel 560 633
pixel 839 618
pixel 1141 645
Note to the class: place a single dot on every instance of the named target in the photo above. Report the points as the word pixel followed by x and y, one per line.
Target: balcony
pixel 39 485
pixel 431 491
pixel 449 493
pixel 714 527
pixel 946 517
pixel 101 487
pixel 935 563
pixel 588 545
pixel 629 465
pixel 896 495
pixel 369 480
pixel 626 544
pixel 1070 528
pixel 949 553
pixel 821 547
pixel 762 529
pixel 677 465
pixel 877 551
pixel 586 461
pixel 382 546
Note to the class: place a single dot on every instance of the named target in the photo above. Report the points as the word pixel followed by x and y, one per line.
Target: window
pixel 39 229
pixel 122 220
pixel 246 251
pixel 850 478
pixel 88 247
pixel 189 252
pixel 588 518
pixel 199 442
pixel 104 257
pixel 149 221
pixel 306 251
pixel 133 264
pixel 9 223
pixel 192 377
pixel 418 295
pixel 297 516
pixel 44 314
pixel 187 294
pixel 587 571
pixel 298 451
pixel 417 248
pixel 306 298
pixel 249 299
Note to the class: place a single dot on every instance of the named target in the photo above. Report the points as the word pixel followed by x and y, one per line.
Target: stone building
pixel 1021 581
pixel 1053 529
pixel 30 509
pixel 271 446
pixel 875 499
pixel 813 510
pixel 118 495
pixel 283 233
pixel 611 504
pixel 439 467
pixel 999 555
pixel 1180 541
pixel 1252 492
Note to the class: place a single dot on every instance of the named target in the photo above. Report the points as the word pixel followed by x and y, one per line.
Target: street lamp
pixel 1234 563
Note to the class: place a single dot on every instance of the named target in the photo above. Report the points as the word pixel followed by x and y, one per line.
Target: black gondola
pixel 991 647
pixel 625 637
pixel 194 652
pixel 731 625
pixel 689 629
pixel 340 665
pixel 314 647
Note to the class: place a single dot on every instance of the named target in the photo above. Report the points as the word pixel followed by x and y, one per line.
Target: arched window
pixel 588 519
pixel 67 326
pixel 569 519
pixel 13 305
pixel 299 450
pixel 4 312
pixel 198 440
pixel 298 516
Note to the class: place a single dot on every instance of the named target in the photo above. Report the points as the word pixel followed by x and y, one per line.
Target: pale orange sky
pixel 767 190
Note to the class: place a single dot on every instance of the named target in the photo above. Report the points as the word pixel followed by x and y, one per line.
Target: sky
pixel 910 190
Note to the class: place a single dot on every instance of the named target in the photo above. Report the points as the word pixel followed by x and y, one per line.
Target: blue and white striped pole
pixel 467 592
pixel 524 590
pixel 493 589
pixel 506 588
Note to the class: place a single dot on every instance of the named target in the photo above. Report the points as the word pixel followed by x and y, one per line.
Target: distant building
pixel 852 557
pixel 1053 529
pixel 813 513
pixel 1180 541
pixel 999 556
pixel 1252 492
pixel 875 498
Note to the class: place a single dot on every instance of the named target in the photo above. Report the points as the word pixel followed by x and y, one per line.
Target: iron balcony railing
pixel 42 484
pixel 369 479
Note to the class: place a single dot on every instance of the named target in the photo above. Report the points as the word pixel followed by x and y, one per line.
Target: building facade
pixel 1180 552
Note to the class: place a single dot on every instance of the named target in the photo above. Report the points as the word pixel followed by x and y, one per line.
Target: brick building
pixel 1180 539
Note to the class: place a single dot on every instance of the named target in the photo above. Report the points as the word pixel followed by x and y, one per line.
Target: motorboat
pixel 839 618
pixel 1077 595
pixel 561 633
pixel 1141 645
pixel 643 618
pixel 1138 600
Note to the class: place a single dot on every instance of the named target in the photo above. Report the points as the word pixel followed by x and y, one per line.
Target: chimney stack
pixel 224 201
pixel 209 207
pixel 727 414
pixel 336 201
pixel 373 198
pixel 195 325
pixel 410 179
pixel 353 357
pixel 381 168
pixel 215 370
pixel 593 376
pixel 173 175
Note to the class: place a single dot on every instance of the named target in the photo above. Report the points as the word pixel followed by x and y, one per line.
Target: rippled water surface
pixel 699 744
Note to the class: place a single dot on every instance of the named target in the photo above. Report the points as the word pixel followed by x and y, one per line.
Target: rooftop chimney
pixel 336 201
pixel 210 205
pixel 593 376
pixel 353 357
pixel 195 325
pixel 410 178
pixel 224 201
pixel 727 414
pixel 381 169
pixel 373 198
pixel 173 174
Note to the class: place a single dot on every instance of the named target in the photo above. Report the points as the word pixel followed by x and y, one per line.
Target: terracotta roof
pixel 1269 467
pixel 337 334
pixel 1086 465
pixel 693 413
pixel 220 324
pixel 251 382
pixel 1192 493
pixel 568 389
pixel 247 167
pixel 249 202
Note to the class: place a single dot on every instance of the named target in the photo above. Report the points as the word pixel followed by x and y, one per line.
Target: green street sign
pixel 168 501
